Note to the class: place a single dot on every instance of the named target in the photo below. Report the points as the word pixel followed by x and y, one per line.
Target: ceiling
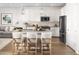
pixel 9 5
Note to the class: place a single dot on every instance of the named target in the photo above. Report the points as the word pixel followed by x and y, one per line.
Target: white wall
pixel 16 14
pixel 32 14
pixel 71 10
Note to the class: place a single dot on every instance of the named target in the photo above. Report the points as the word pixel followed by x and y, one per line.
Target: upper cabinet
pixel 32 14
pixel 35 13
pixel 51 12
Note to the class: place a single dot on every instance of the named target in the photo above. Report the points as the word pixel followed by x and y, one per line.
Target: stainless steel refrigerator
pixel 62 28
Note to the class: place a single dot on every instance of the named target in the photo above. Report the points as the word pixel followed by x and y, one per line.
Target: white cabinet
pixel 34 15
pixel 36 12
pixel 16 34
pixel 55 31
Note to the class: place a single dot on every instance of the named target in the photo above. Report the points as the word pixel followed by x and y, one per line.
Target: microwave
pixel 45 18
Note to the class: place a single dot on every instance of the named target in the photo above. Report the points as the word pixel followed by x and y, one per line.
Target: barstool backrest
pixel 31 34
pixel 46 35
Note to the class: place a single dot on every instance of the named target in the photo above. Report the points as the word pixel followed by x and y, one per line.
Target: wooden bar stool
pixel 31 42
pixel 46 42
pixel 24 41
pixel 38 36
pixel 19 44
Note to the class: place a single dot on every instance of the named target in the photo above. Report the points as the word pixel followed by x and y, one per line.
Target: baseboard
pixel 77 52
pixel 55 37
pixel 71 48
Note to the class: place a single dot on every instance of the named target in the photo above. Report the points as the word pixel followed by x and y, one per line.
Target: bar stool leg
pixel 36 47
pixel 50 46
pixel 41 47
pixel 27 46
pixel 13 45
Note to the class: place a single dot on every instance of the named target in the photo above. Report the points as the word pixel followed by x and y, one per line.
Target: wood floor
pixel 58 48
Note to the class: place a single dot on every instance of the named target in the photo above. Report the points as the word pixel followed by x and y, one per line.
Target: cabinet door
pixel 53 31
pixel 56 31
pixel 16 34
pixel 34 15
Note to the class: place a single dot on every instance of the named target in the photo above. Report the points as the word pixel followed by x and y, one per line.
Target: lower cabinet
pixel 55 31
pixel 16 34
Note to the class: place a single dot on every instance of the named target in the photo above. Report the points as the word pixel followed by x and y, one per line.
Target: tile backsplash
pixel 51 24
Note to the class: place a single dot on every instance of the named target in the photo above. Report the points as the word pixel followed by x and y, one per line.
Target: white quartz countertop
pixel 36 31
